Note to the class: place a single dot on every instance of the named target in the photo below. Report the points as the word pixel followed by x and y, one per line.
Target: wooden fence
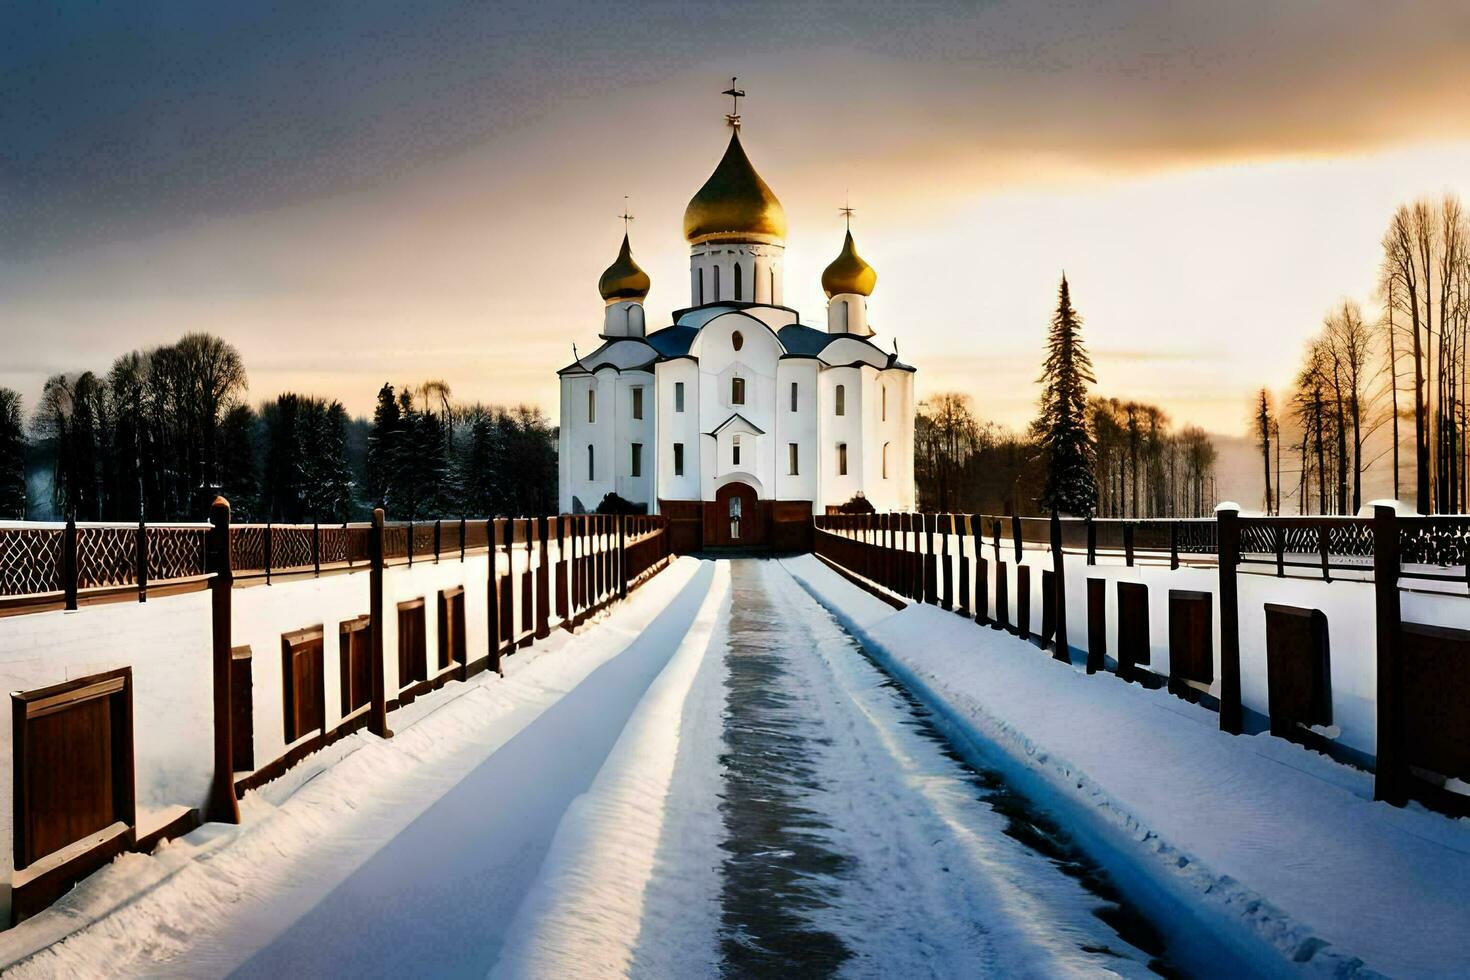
pixel 527 576
pixel 1422 693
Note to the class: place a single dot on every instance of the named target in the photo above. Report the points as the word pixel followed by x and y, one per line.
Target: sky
pixel 359 193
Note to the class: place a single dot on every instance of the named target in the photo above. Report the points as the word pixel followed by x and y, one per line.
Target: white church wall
pixel 837 430
pixel 678 427
pixel 798 426
pixel 629 431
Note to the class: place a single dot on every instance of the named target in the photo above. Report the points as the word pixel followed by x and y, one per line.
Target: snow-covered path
pixel 838 835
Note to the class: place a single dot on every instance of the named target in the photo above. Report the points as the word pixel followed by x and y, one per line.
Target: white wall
pixel 678 427
pixel 758 263
pixel 168 643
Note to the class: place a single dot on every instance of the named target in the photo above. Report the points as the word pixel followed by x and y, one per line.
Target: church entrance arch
pixel 735 519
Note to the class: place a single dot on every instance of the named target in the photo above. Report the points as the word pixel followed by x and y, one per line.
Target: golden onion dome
pixel 624 279
pixel 849 273
pixel 735 205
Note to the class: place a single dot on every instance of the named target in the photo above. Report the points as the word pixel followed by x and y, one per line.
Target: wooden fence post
pixel 622 556
pixel 492 592
pixel 140 561
pixel 982 578
pixel 931 586
pixel 69 569
pixel 1388 775
pixel 1173 545
pixel 269 535
pixel 1229 548
pixel 543 581
pixel 1128 542
pixel 1061 651
pixel 1016 536
pixel 964 559
pixel 946 596
pixel 378 681
pixel 223 806
pixel 1091 542
pixel 316 549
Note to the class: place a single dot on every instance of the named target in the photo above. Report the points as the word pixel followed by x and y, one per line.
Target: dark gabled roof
pixel 804 341
pixel 732 418
pixel 672 341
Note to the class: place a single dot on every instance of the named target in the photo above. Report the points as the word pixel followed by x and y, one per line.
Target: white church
pixel 737 420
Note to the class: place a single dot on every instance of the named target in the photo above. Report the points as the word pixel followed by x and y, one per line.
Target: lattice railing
pixel 30 561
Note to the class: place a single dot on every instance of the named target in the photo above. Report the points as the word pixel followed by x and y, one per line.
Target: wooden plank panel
pixel 242 710
pixel 1191 641
pixel 1133 641
pixel 1436 689
pixel 413 654
pixel 1298 668
pixel 1097 624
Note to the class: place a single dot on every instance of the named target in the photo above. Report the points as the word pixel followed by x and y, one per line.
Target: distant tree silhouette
pixel 12 457
pixel 1061 428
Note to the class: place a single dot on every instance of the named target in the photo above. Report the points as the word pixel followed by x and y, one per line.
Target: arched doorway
pixel 735 519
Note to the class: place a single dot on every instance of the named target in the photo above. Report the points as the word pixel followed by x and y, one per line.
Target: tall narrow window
pixel 885 461
pixel 678 459
pixel 638 403
pixel 738 293
pixel 792 459
pixel 735 451
pixel 591 404
pixel 637 462
pixel 773 287
pixel 793 396
pixel 842 459
pixel 717 284
pixel 883 413
pixel 591 464
pixel 737 391
pixel 701 288
pixel 841 399
pixel 678 396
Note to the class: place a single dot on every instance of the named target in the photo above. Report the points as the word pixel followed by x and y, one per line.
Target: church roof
pixel 796 339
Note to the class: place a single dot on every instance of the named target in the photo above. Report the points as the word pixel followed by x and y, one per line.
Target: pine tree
pixel 382 448
pixel 12 457
pixel 1061 428
pixel 238 480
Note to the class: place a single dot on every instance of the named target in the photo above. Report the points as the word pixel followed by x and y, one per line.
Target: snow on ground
pixel 931 883
pixel 590 912
pixel 381 857
pixel 1275 853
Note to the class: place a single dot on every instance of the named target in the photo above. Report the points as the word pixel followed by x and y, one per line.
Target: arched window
pixel 842 459
pixel 591 405
pixel 701 288
pixel 737 391
pixel 717 284
pixel 773 286
pixel 735 450
pixel 885 461
pixel 841 399
pixel 591 463
pixel 884 407
pixel 737 340
pixel 738 295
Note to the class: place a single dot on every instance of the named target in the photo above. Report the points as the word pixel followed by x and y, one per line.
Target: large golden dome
pixel 849 273
pixel 624 279
pixel 735 205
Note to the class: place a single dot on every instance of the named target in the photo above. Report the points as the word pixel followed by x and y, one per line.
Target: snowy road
pixel 714 781
pixel 840 836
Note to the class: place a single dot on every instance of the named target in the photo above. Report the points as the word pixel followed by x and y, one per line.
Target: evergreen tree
pixel 239 482
pixel 382 449
pixel 476 468
pixel 333 476
pixel 12 457
pixel 1061 428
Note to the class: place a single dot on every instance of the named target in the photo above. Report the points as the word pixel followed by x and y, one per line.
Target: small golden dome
pixel 624 279
pixel 849 273
pixel 735 205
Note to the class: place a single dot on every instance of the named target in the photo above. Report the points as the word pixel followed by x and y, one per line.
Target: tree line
pixel 1399 373
pixel 165 430
pixel 1083 455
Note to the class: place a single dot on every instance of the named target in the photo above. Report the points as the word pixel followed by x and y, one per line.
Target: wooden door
pixel 356 664
pixel 737 520
pixel 451 627
pixel 303 698
pixel 413 660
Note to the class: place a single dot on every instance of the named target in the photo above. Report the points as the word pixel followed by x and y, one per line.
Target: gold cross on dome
pixel 627 217
pixel 735 94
